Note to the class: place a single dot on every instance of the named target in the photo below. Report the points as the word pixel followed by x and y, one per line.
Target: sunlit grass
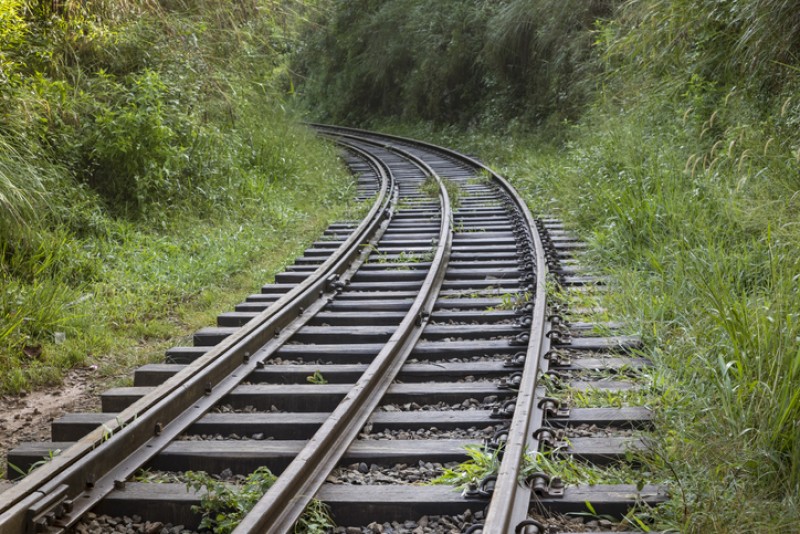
pixel 147 166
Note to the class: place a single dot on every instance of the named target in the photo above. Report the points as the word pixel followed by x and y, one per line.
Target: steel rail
pixel 82 470
pixel 283 504
pixel 510 498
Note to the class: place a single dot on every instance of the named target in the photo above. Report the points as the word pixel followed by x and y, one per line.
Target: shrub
pixel 133 146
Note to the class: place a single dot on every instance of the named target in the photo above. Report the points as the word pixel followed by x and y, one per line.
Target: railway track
pixel 375 361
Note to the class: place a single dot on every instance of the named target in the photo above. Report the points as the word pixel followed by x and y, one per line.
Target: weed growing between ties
pixel 430 187
pixel 16 472
pixel 316 378
pixel 224 505
pixel 511 301
pixel 485 462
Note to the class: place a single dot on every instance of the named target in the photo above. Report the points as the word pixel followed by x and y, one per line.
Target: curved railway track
pixel 390 346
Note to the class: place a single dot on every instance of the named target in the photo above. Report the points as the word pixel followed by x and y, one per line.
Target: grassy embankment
pixel 149 175
pixel 682 169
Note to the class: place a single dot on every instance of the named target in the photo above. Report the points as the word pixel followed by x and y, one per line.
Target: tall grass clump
pixel 22 190
pixel 740 42
pixel 359 62
pixel 708 270
pixel 537 56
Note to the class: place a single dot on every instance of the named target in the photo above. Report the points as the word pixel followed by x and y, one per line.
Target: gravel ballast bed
pixel 364 474
pixel 468 404
pixel 103 524
pixel 562 523
pixel 433 524
pixel 431 433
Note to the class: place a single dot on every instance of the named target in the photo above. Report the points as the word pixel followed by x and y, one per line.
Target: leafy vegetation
pixel 430 188
pixel 316 378
pixel 224 505
pixel 145 154
pixel 519 60
pixel 482 462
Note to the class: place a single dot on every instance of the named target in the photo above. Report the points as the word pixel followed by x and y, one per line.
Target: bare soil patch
pixel 28 417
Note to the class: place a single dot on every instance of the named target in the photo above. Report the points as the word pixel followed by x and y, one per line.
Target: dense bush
pixel 143 144
pixel 451 61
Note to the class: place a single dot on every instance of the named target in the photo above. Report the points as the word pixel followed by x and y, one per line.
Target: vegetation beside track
pixel 147 166
pixel 672 143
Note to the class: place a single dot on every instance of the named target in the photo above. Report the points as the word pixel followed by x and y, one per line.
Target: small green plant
pixel 316 378
pixel 574 472
pixel 511 301
pixel 428 255
pixel 156 477
pixel 481 463
pixel 483 177
pixel 223 505
pixel 46 459
pixel 430 187
pixel 316 519
pixel 406 203
pixel 403 257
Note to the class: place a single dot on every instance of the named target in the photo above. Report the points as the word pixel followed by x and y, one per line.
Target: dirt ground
pixel 28 417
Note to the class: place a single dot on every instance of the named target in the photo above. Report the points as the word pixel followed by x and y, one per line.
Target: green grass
pixel 147 286
pixel 485 462
pixel 430 187
pixel 482 462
